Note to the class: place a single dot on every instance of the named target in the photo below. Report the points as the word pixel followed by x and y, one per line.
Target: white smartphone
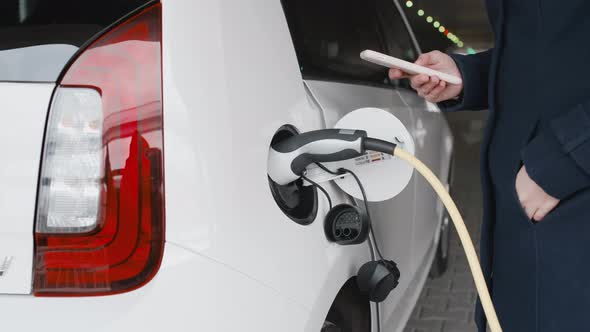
pixel 408 67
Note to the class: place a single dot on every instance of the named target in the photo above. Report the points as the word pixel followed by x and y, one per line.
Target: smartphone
pixel 408 67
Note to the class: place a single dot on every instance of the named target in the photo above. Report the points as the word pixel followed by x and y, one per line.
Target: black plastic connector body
pixel 377 279
pixel 374 144
pixel 346 225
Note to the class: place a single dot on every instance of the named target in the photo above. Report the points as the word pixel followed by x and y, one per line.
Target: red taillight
pixel 100 214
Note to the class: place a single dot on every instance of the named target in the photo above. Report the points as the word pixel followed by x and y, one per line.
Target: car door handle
pixel 419 132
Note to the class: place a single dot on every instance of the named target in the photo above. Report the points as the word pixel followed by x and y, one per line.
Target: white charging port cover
pixel 383 176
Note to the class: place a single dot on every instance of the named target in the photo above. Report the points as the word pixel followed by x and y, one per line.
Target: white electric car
pixel 134 191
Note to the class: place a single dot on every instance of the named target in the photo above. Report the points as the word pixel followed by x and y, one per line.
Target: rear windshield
pixel 38 37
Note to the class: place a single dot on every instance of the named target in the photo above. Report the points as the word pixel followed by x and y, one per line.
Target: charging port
pixel 346 224
pixel 298 202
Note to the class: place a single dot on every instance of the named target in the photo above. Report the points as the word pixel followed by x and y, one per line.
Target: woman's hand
pixel 432 88
pixel 534 200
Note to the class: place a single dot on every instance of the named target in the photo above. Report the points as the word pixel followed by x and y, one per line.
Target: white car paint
pixel 24 108
pixel 191 292
pixel 392 220
pixel 233 261
pixel 409 236
pixel 219 120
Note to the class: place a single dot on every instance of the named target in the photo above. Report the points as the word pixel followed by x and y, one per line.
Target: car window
pixel 397 37
pixel 329 36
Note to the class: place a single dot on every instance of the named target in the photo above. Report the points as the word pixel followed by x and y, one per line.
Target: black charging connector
pixel 379 145
pixel 346 225
pixel 376 278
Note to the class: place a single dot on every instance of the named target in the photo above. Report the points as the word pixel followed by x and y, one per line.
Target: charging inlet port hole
pixel 346 224
pixel 298 202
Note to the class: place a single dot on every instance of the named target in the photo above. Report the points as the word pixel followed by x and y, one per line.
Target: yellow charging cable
pixel 439 188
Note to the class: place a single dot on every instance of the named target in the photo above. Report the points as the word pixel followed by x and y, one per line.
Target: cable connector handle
pixel 289 158
pixel 378 145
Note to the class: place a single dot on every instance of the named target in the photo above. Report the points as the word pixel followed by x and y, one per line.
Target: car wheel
pixel 330 327
pixel 347 321
pixel 351 312
pixel 441 258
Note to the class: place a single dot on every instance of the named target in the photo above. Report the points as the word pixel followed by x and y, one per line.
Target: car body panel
pixel 24 106
pixel 433 141
pixel 392 220
pixel 434 145
pixel 227 89
pixel 191 292
pixel 406 235
pixel 398 313
pixel 22 64
pixel 233 260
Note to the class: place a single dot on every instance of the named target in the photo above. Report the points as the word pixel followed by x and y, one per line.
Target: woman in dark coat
pixel 535 247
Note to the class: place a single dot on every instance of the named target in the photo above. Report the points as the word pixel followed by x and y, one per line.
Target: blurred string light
pixel 437 25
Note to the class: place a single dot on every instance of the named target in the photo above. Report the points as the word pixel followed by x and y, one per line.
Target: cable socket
pixel 346 225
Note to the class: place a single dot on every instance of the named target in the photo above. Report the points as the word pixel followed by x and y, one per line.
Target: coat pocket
pixel 516 199
pixel 531 135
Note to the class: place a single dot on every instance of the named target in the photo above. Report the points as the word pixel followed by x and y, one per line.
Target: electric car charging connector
pixel 288 160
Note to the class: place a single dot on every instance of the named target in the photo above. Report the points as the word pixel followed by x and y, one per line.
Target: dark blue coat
pixel 539 116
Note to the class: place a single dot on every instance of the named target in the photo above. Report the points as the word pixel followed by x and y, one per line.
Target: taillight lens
pixel 100 211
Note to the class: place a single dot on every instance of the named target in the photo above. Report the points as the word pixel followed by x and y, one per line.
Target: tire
pixel 441 258
pixel 350 312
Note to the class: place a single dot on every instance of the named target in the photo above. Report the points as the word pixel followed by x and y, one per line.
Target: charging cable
pixel 288 160
pixel 466 241
pixel 315 184
pixel 358 181
pixel 343 171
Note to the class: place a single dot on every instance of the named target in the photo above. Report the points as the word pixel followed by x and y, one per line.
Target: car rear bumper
pixel 190 293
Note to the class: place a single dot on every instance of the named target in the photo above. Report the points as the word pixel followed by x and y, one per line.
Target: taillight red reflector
pixel 115 242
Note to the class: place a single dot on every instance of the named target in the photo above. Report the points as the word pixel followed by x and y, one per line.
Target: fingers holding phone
pixel 432 88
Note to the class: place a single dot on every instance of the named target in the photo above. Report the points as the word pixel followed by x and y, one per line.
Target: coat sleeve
pixel 558 158
pixel 475 71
